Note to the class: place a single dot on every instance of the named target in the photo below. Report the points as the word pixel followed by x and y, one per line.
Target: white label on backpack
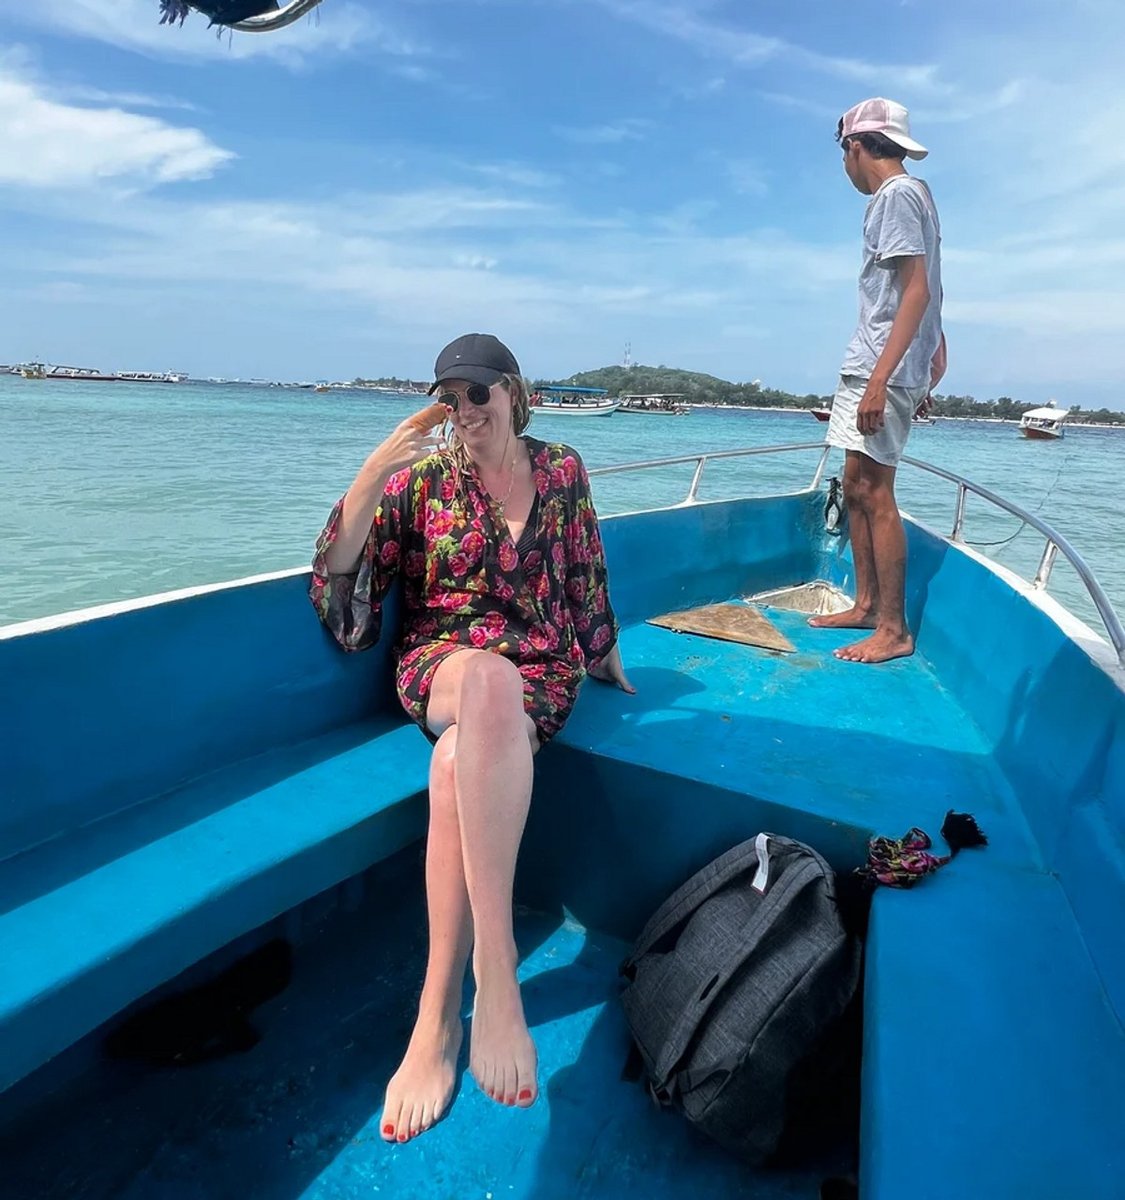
pixel 762 875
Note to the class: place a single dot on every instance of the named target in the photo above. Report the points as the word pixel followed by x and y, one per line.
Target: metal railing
pixel 1054 541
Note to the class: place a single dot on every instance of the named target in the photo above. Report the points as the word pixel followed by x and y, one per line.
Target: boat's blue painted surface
pixel 993 1043
pixel 91 921
pixel 106 713
pixel 299 1115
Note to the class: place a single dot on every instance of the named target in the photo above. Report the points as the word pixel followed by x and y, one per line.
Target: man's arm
pixel 912 308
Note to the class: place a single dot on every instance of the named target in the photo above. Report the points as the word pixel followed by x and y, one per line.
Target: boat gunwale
pixel 1032 589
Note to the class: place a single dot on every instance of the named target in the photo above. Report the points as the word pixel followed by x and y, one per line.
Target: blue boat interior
pixel 187 780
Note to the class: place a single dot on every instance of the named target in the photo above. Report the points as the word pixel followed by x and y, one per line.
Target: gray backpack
pixel 733 984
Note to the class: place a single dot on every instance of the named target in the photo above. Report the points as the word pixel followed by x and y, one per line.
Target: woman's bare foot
pixel 856 617
pixel 502 1055
pixel 881 646
pixel 420 1091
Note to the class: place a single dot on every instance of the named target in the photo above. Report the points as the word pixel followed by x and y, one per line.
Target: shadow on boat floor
pixel 297 1114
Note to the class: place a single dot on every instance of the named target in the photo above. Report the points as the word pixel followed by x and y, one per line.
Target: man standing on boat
pixel 895 358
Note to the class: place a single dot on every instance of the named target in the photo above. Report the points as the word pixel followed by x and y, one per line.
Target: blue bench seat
pixel 994 1064
pixel 92 920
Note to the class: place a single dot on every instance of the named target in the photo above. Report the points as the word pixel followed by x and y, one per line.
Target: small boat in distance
pixel 1044 424
pixel 565 401
pixel 821 414
pixel 37 370
pixel 661 404
pixel 150 376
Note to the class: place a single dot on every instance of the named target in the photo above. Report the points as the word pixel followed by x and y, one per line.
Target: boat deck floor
pixel 299 1115
pixel 870 748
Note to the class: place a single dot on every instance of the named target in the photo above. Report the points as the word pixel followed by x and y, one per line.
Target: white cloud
pixel 81 94
pixel 630 129
pixel 748 178
pixel 744 48
pixel 46 143
pixel 134 25
pixel 515 174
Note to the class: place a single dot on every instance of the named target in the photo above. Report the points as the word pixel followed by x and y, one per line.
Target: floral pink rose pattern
pixel 467 586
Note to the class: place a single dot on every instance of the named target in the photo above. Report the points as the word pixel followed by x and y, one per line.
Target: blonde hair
pixel 516 387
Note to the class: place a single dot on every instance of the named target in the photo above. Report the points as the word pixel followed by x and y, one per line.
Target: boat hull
pixel 1041 435
pixel 575 410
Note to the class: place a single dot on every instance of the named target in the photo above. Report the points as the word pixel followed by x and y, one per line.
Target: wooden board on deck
pixel 729 623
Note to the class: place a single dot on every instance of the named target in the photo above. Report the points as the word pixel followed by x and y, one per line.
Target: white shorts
pixel 888 444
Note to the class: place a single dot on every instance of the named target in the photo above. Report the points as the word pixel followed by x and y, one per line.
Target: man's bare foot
pixel 422 1087
pixel 502 1055
pixel 855 618
pixel 879 647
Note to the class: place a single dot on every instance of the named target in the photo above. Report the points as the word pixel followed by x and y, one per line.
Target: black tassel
pixel 962 832
pixel 172 11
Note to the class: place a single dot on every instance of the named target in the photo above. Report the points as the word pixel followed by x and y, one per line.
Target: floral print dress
pixel 544 605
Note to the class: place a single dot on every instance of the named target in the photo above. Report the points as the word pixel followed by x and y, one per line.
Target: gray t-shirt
pixel 900 221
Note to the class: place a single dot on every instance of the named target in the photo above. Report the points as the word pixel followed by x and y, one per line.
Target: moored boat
pixel 660 404
pixel 563 400
pixel 1044 424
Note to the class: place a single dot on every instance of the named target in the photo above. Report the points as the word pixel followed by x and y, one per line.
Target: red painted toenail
pixel 525 1094
pixel 389 1130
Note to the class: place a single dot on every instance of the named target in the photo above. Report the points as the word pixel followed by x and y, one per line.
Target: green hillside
pixel 696 387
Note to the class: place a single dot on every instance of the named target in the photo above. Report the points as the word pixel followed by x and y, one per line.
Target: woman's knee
pixel 492 684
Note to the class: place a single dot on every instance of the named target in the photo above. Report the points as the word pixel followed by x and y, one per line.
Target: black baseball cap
pixel 476 358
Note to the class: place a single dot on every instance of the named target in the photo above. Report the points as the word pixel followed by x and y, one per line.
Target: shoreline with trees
pixel 702 390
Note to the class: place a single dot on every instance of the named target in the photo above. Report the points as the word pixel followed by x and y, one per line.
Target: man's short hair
pixel 876 144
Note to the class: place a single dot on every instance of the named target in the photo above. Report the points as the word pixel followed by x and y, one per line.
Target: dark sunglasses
pixel 477 394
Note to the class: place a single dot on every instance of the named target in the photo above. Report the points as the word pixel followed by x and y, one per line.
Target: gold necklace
pixel 511 482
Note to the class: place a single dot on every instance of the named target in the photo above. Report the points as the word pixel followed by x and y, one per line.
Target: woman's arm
pixel 587 586
pixel 411 440
pixel 359 552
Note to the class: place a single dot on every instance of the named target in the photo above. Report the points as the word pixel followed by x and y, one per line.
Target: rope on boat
pixel 1034 512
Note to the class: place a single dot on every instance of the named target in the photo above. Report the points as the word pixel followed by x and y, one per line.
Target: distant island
pixel 391 383
pixel 698 388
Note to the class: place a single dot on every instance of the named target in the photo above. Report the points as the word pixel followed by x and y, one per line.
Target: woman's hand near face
pixel 409 441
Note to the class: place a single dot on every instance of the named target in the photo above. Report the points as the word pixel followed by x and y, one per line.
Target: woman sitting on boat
pixel 506 610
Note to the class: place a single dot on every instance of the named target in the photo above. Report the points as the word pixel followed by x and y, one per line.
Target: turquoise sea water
pixel 110 491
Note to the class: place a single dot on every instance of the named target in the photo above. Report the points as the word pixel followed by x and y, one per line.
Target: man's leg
pixel 874 490
pixel 863 614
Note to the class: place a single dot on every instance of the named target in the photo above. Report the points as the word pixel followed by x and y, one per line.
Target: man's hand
pixel 871 415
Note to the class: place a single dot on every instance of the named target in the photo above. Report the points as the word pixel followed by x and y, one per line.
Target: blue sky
pixel 345 196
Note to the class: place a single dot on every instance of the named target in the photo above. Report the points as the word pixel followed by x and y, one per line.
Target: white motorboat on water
pixel 565 401
pixel 1044 424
